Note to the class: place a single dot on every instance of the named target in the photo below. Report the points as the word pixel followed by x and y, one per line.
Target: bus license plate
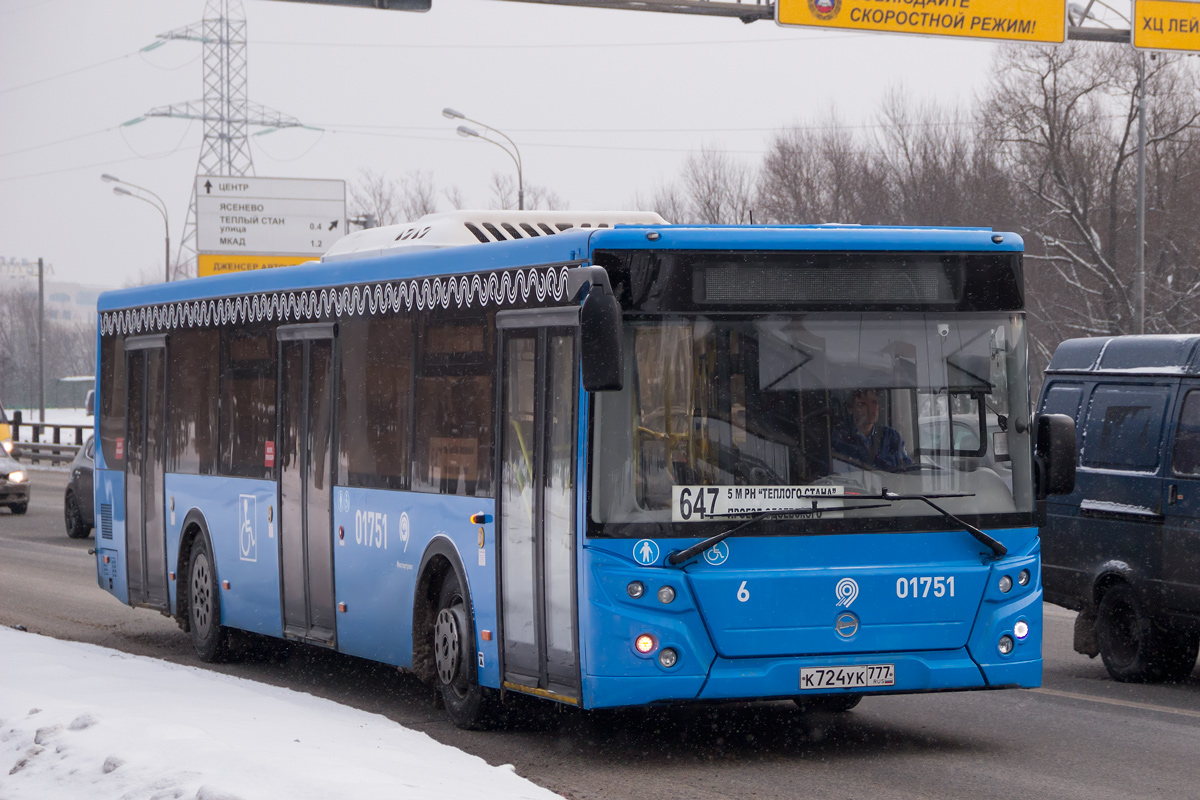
pixel 860 676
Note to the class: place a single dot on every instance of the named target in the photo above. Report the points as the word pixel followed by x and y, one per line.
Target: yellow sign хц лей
pixel 1042 21
pixel 208 264
pixel 1167 25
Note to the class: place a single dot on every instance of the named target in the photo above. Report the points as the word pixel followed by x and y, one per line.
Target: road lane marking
pixel 1114 702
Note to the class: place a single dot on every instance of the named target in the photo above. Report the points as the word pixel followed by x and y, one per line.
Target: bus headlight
pixel 1021 629
pixel 666 594
pixel 1023 577
pixel 668 657
pixel 1005 584
pixel 635 589
pixel 1005 645
pixel 644 644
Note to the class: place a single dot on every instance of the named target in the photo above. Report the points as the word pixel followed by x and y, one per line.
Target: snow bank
pixel 78 720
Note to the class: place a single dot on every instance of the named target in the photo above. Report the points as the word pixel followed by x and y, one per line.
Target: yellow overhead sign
pixel 1166 25
pixel 1043 21
pixel 208 264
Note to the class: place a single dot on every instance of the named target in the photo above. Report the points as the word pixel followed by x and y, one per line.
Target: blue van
pixel 1123 548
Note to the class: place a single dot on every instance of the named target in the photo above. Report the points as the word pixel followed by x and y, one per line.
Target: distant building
pixel 65 302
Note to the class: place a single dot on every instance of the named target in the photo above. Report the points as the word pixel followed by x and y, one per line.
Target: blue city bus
pixel 594 458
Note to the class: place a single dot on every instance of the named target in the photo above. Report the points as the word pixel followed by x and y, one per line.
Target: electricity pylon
pixel 225 109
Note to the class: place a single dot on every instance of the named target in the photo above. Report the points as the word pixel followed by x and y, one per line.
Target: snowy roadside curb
pixel 77 720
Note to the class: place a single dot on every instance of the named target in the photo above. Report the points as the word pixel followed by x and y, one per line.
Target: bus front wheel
pixel 469 705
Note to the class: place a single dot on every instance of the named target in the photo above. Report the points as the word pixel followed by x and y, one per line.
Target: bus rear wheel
pixel 209 638
pixel 470 706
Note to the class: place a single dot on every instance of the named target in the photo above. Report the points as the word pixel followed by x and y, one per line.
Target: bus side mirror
pixel 90 403
pixel 1054 452
pixel 600 342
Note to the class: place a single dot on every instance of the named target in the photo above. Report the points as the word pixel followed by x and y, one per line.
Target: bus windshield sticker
pixel 703 503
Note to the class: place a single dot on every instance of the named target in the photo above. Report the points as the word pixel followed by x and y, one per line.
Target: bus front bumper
pixel 767 678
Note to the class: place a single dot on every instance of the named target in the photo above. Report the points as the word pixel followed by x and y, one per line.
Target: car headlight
pixel 7 445
pixel 16 477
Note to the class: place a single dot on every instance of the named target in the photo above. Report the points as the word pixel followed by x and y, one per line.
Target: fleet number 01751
pixel 925 585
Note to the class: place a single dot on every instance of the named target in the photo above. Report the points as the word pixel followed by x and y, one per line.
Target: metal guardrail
pixel 37 453
pixel 46 443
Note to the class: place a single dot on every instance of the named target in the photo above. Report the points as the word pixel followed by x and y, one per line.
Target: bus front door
pixel 537 509
pixel 145 461
pixel 304 460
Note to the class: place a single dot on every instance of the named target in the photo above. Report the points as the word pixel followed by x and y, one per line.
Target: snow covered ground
pixel 78 720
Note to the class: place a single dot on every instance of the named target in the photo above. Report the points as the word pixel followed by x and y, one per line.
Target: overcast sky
pixel 604 104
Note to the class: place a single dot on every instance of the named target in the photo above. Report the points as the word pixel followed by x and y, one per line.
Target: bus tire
pixel 827 703
pixel 470 706
pixel 1130 645
pixel 76 527
pixel 209 638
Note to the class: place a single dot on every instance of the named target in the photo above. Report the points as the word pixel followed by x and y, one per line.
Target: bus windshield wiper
pixel 680 556
pixel 997 548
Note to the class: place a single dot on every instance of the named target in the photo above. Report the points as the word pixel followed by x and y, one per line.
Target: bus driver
pixel 868 442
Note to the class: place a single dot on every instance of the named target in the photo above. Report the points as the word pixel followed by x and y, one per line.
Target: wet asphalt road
pixel 1080 736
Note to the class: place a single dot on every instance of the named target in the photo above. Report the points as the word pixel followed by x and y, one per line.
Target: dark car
pixel 14 484
pixel 1123 549
pixel 77 503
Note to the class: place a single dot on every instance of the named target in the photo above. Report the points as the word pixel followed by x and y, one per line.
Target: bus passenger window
pixel 191 402
pixel 112 398
pixel 247 421
pixel 374 410
pixel 453 446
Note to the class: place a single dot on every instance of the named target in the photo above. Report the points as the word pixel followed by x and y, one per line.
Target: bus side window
pixel 191 402
pixel 375 405
pixel 453 408
pixel 112 399
pixel 247 420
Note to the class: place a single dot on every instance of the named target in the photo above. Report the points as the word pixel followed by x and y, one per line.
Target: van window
pixel 1063 398
pixel 1186 458
pixel 1124 427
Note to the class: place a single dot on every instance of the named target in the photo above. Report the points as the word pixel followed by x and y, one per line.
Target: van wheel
pixel 1132 648
pixel 210 640
pixel 827 703
pixel 470 706
pixel 19 508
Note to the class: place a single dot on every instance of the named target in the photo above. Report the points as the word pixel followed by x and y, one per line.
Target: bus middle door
pixel 305 469
pixel 536 538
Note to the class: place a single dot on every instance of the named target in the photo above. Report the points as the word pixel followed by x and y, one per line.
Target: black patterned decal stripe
pixel 479 290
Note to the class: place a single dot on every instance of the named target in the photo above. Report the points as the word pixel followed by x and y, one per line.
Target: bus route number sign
pixel 705 503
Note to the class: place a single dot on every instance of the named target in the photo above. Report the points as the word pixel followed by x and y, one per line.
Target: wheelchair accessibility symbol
pixel 646 552
pixel 717 554
pixel 247 537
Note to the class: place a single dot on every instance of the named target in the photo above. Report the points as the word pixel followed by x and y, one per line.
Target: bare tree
pixel 1065 122
pixel 814 175
pixel 720 189
pixel 391 201
pixel 504 195
pixel 668 201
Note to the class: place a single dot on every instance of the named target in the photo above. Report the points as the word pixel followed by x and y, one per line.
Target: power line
pixel 59 141
pixel 81 168
pixel 69 72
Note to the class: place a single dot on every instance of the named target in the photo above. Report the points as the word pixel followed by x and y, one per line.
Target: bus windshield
pixel 933 404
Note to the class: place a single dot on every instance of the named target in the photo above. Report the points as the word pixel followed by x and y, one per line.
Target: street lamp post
pixel 514 153
pixel 161 207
